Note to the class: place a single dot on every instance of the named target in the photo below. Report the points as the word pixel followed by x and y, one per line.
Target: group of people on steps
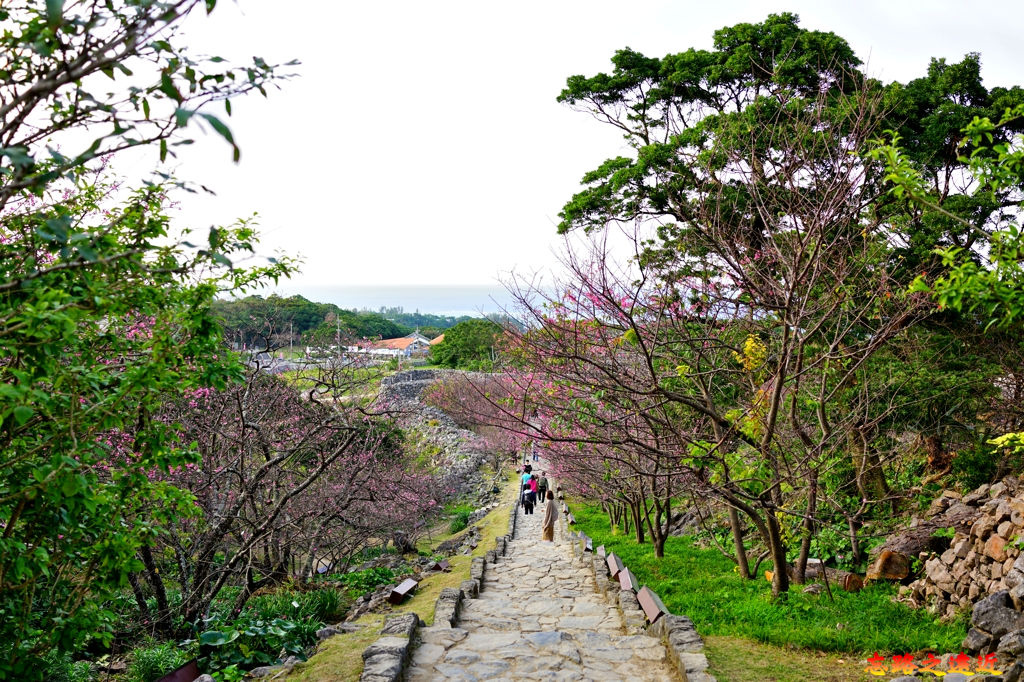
pixel 536 490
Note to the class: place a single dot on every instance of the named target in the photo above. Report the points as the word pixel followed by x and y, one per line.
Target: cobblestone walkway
pixel 538 617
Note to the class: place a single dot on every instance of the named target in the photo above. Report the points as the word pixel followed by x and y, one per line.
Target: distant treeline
pixel 297 319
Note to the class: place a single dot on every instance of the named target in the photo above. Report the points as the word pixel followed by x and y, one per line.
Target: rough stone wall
pixel 458 460
pixel 980 559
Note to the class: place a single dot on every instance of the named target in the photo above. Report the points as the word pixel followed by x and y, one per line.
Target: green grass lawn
pixel 703 585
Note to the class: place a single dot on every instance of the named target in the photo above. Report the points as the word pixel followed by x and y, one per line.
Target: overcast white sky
pixel 422 144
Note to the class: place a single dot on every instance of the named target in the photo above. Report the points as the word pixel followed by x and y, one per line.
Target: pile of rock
pixel 463 543
pixel 983 558
pixel 371 602
pixel 457 459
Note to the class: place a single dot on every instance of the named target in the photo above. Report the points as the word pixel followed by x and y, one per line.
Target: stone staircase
pixel 538 616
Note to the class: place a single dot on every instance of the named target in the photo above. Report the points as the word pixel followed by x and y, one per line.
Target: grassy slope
pixel 745 629
pixel 339 659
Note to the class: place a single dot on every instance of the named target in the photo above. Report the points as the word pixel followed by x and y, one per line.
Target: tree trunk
pixel 163 611
pixel 658 531
pixel 870 477
pixel 805 543
pixel 938 460
pixel 638 523
pixel 737 538
pixel 780 577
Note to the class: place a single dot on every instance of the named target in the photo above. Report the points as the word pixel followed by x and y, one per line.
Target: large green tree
pixel 468 345
pixel 754 199
pixel 104 307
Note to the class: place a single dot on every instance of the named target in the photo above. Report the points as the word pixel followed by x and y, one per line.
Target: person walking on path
pixel 531 493
pixel 542 487
pixel 550 515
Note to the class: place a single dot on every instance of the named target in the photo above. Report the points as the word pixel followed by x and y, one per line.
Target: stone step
pixel 538 617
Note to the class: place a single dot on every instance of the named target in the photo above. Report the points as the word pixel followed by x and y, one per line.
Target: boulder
pixel 1012 643
pixel 994 615
pixel 995 547
pixel 976 640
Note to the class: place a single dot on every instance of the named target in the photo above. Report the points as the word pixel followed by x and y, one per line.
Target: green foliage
pixel 975 465
pixel 261 322
pixel 361 582
pixel 284 620
pixel 152 662
pixel 89 350
pixel 429 325
pixel 991 152
pixel 460 520
pixel 319 605
pixel 248 643
pixel 468 345
pixel 57 666
pixel 106 309
pixel 231 673
pixel 704 585
pixel 944 533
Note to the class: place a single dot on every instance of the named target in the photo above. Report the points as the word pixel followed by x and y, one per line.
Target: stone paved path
pixel 538 617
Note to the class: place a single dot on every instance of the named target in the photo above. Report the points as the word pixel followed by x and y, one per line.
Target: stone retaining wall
pixel 387 658
pixel 981 559
pixel 677 633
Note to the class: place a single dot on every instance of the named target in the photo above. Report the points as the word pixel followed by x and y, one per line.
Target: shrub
pixel 368 580
pixel 973 466
pixel 60 668
pixel 459 522
pixel 153 662
pixel 319 605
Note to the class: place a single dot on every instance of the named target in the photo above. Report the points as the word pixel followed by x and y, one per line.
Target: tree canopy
pixel 754 348
pixel 105 306
pixel 468 345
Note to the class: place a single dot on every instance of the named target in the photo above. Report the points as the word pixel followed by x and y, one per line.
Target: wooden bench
pixel 402 591
pixel 614 565
pixel 627 580
pixel 651 604
pixel 441 565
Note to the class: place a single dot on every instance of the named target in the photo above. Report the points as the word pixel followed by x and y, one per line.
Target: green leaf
pixel 69 486
pixel 218 638
pixel 224 132
pixel 54 229
pixel 22 413
pixel 167 87
pixel 54 12
pixel 145 108
pixel 181 117
pixel 87 253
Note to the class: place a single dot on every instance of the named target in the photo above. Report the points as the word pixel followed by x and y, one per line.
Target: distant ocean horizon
pixel 456 300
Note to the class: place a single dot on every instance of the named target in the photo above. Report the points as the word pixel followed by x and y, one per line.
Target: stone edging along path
pixel 540 610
